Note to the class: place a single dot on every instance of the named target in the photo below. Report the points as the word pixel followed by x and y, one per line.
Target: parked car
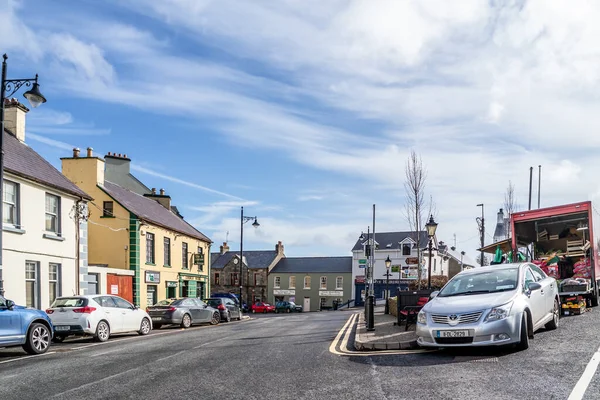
pixel 287 306
pixel 497 305
pixel 97 315
pixel 233 297
pixel 228 309
pixel 263 308
pixel 184 312
pixel 25 327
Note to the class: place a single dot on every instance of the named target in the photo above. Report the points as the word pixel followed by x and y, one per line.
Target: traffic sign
pixel 362 261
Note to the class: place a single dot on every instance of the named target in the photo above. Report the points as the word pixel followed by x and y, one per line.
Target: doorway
pixel 306 306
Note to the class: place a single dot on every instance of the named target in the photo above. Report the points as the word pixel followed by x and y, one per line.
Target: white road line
pixel 586 378
pixel 26 357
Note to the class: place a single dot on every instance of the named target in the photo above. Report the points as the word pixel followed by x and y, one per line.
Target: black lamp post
pixel 431 227
pixel 388 264
pixel 9 87
pixel 255 224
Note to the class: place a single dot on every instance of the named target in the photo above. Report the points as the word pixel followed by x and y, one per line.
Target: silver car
pixel 184 312
pixel 497 305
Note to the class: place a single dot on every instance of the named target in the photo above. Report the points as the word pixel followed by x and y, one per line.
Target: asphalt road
pixel 290 357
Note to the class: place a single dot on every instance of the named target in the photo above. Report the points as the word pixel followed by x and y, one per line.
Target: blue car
pixel 26 327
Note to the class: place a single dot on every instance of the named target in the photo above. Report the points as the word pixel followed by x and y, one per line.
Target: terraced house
pixel 140 247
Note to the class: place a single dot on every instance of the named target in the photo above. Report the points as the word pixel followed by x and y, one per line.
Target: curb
pixel 361 343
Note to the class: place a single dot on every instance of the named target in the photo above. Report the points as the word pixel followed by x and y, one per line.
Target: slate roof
pixel 23 161
pixel 150 210
pixel 301 265
pixel 254 259
pixel 391 238
pixel 447 250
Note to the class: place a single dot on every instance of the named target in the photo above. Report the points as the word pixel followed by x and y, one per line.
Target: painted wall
pixel 27 243
pixel 315 292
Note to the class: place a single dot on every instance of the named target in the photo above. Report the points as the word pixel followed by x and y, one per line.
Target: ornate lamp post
pixel 431 227
pixel 255 224
pixel 35 98
pixel 388 264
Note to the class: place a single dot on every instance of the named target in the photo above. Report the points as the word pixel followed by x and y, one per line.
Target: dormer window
pixel 406 249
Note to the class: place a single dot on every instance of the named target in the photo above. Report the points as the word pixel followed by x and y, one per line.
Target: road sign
pixel 362 261
pixel 395 268
pixel 412 261
pixel 362 266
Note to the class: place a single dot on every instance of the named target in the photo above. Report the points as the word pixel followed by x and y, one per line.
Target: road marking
pixel 19 358
pixel 343 336
pixel 586 378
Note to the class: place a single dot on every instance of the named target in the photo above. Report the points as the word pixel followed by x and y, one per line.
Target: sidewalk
pixel 386 336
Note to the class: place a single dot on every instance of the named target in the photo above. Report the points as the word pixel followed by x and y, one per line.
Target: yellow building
pixel 133 228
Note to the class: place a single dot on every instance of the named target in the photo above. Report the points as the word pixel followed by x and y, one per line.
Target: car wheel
pixel 216 318
pixel 59 339
pixel 186 321
pixel 288 311
pixel 144 327
pixel 102 332
pixel 228 317
pixel 38 339
pixel 524 343
pixel 276 311
pixel 555 317
pixel 253 311
pixel 239 318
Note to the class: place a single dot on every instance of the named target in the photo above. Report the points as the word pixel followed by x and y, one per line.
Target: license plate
pixel 61 328
pixel 157 319
pixel 451 334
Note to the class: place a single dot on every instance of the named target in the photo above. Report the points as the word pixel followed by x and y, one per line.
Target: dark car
pixel 185 312
pixel 287 306
pixel 26 327
pixel 227 307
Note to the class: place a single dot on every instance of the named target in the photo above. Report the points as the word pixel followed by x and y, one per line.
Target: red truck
pixel 561 240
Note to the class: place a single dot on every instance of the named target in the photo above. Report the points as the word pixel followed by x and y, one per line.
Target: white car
pixel 99 315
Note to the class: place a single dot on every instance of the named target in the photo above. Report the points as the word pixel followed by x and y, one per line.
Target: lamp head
pixel 388 262
pixel 255 223
pixel 431 227
pixel 34 96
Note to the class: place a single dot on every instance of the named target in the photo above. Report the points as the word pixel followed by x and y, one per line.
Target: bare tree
pixel 414 185
pixel 510 204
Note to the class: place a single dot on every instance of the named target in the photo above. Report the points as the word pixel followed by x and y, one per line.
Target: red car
pixel 263 308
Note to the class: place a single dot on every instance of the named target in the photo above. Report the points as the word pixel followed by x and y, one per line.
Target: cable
pixel 105 226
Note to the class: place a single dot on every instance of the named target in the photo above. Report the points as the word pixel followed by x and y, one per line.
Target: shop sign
pixel 412 261
pixel 152 277
pixel 331 293
pixel 171 284
pixel 359 279
pixel 198 259
pixel 395 268
pixel 284 292
pixel 114 289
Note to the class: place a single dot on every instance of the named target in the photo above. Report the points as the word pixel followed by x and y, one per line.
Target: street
pixel 295 356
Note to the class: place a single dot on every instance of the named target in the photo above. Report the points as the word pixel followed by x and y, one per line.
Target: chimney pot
pixel 125 155
pixel 162 192
pixel 90 152
pixel 108 153
pixel 76 152
pixel 119 154
pixel 153 190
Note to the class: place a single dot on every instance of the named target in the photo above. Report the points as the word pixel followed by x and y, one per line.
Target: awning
pixel 505 246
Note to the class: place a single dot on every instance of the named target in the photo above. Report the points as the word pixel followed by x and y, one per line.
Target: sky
pixel 304 112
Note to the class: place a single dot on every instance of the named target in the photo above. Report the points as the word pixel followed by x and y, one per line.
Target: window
pixel 167 251
pixel 151 296
pixel 307 282
pixel 323 302
pixel 257 280
pixel 538 273
pixel 10 203
pixel 528 279
pixel 105 301
pixel 171 292
pixel 292 282
pixel 339 282
pixel 52 213
pixel 201 265
pixel 235 279
pixel 277 283
pixel 217 279
pixel 184 256
pixel 107 209
pixel 323 282
pixel 93 284
pixel 31 284
pixel 121 303
pixel 149 248
pixel 406 249
pixel 54 281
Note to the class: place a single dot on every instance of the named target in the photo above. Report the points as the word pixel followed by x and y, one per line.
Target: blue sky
pixel 305 112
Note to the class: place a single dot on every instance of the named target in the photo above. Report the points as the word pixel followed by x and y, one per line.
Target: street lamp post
pixel 9 87
pixel 243 220
pixel 481 223
pixel 388 264
pixel 431 227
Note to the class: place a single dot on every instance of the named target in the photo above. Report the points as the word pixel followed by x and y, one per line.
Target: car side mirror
pixel 10 304
pixel 434 294
pixel 534 286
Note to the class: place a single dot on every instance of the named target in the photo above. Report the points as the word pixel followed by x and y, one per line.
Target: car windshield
pixel 500 280
pixel 69 302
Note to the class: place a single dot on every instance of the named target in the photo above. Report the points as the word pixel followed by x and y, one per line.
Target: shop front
pixel 193 285
pixel 379 288
pixel 284 295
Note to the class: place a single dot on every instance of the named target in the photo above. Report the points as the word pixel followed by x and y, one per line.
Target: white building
pixel 41 244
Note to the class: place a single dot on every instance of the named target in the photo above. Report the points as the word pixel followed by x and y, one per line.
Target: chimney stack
pixel 76 152
pixel 279 247
pixel 90 152
pixel 162 192
pixel 153 190
pixel 501 216
pixel 14 118
pixel 224 248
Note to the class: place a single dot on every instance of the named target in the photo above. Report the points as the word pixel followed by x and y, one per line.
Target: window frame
pixel 292 282
pixel 217 278
pixel 341 286
pixel 167 251
pixel 57 281
pixel 106 213
pixel 36 301
pixel 201 265
pixel 185 261
pixel 150 250
pixel 406 246
pixel 235 279
pixel 16 205
pixel 56 215
pixel 308 279
pixel 277 282
pixel 323 283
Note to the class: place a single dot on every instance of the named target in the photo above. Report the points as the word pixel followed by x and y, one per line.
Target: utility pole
pixel 539 183
pixel 530 184
pixel 481 222
pixel 371 298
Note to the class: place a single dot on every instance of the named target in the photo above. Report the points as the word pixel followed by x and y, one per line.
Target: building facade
pixel 133 230
pixel 44 226
pixel 315 283
pixel 227 267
